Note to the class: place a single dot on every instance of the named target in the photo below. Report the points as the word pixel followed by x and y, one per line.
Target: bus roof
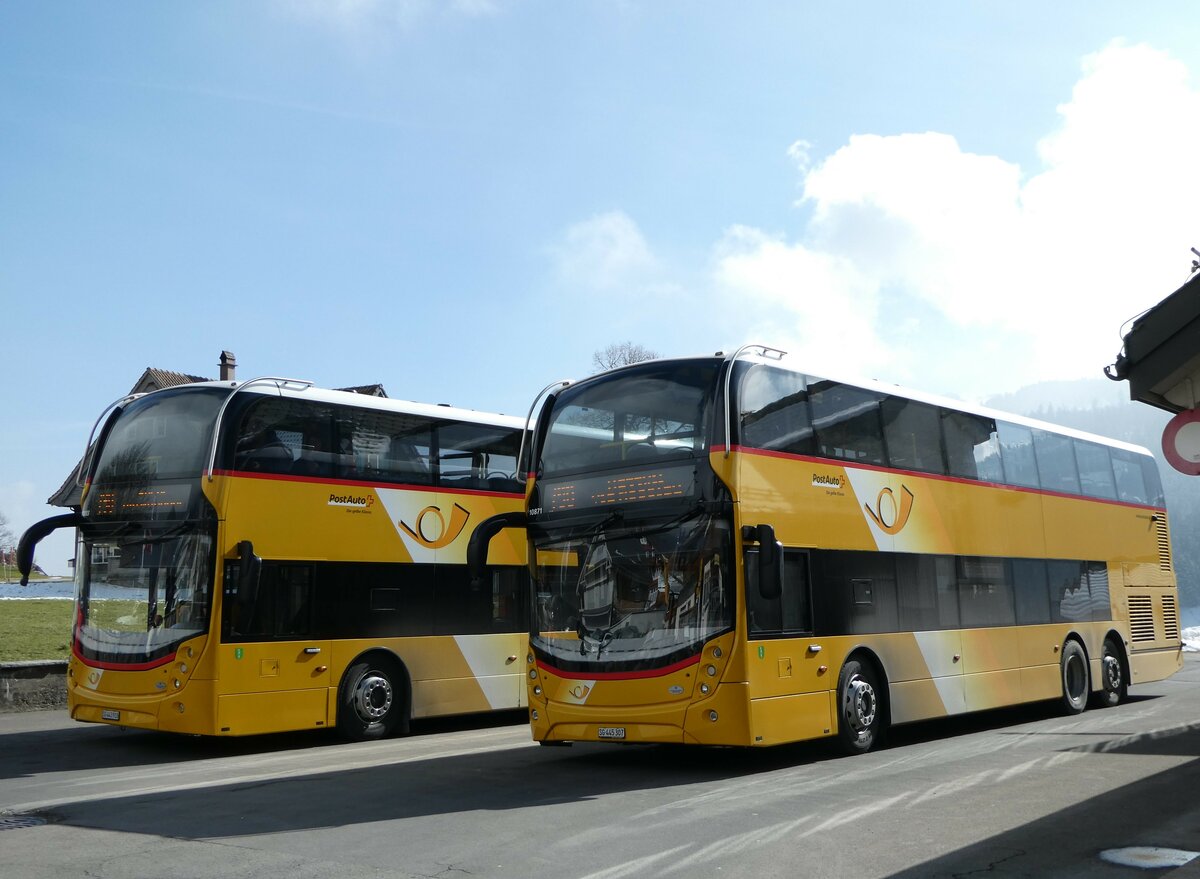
pixel 365 401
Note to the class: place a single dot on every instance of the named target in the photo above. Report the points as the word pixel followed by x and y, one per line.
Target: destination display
pixel 622 488
pixel 166 500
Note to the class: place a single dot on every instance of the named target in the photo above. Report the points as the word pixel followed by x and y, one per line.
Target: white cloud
pixel 947 270
pixel 606 253
pixel 929 256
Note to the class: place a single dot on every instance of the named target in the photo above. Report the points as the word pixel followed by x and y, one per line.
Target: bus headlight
pixel 533 674
pixel 704 689
pixel 711 671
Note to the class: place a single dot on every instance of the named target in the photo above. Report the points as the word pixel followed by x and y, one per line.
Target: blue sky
pixel 465 200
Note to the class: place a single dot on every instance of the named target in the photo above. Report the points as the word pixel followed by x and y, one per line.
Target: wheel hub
pixel 861 705
pixel 1112 674
pixel 372 697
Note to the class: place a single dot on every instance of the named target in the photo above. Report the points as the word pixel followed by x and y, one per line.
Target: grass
pixel 35 628
pixel 40 628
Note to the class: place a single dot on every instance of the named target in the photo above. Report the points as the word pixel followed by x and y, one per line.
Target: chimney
pixel 228 366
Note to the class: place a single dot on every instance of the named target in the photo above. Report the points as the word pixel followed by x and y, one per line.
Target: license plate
pixel 110 714
pixel 611 732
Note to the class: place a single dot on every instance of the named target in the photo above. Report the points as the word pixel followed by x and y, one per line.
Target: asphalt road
pixel 1022 792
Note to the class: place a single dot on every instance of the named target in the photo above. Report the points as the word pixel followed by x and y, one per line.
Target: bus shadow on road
pixel 99 746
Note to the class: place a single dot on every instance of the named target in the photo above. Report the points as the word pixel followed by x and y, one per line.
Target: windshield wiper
pixel 606 636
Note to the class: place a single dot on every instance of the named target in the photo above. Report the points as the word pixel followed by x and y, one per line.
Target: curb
pixel 34 685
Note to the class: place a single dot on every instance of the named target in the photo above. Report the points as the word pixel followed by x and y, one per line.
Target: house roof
pixel 155 379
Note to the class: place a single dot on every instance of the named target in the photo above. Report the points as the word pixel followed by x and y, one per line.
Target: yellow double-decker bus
pixel 270 556
pixel 729 551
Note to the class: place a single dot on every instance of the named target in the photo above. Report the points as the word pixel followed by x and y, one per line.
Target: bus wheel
pixel 1114 687
pixel 1074 678
pixel 860 716
pixel 371 703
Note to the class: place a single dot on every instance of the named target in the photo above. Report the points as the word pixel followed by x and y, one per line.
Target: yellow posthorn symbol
pixel 443 536
pixel 888 515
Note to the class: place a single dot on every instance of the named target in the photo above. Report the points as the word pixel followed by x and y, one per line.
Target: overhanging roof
pixel 1162 352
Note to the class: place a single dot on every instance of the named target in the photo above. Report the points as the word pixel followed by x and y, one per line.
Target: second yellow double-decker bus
pixel 733 552
pixel 267 556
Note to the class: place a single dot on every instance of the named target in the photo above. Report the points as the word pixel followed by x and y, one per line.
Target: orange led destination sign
pixel 620 488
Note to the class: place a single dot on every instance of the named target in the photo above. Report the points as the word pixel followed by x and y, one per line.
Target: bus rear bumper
pixel 1154 665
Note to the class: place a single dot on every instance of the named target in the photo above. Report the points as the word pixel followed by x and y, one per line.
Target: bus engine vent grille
pixel 1141 618
pixel 1164 542
pixel 1170 618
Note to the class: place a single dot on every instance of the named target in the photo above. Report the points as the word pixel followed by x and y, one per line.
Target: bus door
pixel 786 669
pixel 274 674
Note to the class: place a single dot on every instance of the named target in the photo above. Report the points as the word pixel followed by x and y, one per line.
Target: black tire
pixel 1113 684
pixel 860 708
pixel 372 701
pixel 1076 682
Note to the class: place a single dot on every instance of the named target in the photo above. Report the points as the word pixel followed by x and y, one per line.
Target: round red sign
pixel 1181 442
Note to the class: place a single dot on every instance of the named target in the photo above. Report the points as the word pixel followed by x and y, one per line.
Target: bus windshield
pixel 641 415
pixel 144 566
pixel 634 599
pixel 151 458
pixel 141 594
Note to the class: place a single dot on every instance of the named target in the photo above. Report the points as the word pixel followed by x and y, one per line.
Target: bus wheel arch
pixel 1114 673
pixel 374 697
pixel 863 709
pixel 1074 675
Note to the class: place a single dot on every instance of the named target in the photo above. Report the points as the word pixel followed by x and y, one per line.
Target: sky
pixel 464 200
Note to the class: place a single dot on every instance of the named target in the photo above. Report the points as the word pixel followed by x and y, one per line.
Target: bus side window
pixel 1033 596
pixel 791 612
pixel 1095 470
pixel 774 411
pixel 1070 598
pixel 1056 462
pixel 847 422
pixel 284 607
pixel 972 446
pixel 1131 482
pixel 1016 452
pixel 927 592
pixel 911 433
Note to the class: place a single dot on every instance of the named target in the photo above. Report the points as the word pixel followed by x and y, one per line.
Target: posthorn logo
pixel 889 514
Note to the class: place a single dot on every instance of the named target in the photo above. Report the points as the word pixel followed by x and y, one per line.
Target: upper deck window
pixel 636 416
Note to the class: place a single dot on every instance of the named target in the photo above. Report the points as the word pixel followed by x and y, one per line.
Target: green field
pixel 40 628
pixel 35 628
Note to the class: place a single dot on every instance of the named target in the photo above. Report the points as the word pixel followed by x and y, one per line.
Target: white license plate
pixel 611 732
pixel 110 714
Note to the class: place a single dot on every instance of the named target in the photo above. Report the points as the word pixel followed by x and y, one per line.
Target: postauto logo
pixel 361 501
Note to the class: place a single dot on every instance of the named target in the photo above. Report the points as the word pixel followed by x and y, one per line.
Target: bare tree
pixel 7 538
pixel 621 354
pixel 8 553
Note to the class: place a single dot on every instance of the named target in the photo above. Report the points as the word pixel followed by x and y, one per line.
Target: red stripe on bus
pixel 619 675
pixel 121 666
pixel 404 486
pixel 959 480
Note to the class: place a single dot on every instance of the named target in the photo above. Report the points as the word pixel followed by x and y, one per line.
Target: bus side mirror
pixel 770 563
pixel 249 571
pixel 481 538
